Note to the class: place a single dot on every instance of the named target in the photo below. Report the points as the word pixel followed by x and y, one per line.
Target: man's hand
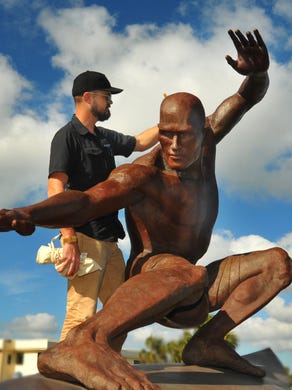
pixel 252 54
pixel 70 260
pixel 15 220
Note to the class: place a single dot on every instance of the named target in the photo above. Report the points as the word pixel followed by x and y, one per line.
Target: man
pixel 172 203
pixel 82 155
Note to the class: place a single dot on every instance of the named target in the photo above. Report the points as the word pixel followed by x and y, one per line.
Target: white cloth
pixel 48 254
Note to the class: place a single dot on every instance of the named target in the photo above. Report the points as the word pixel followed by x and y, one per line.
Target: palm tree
pixel 158 351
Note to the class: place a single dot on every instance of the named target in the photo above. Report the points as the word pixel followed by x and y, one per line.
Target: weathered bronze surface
pixel 171 201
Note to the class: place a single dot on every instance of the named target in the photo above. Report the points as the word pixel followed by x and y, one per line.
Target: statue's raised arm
pixel 253 62
pixel 252 54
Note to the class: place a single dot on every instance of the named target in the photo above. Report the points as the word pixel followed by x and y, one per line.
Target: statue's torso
pixel 176 214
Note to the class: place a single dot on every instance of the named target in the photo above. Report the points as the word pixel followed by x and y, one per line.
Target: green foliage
pixel 158 351
pixel 175 348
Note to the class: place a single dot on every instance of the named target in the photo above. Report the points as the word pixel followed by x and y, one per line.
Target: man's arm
pixel 146 139
pixel 71 255
pixel 252 61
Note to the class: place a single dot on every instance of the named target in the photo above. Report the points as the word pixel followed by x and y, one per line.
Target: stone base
pixel 177 376
pixel 181 377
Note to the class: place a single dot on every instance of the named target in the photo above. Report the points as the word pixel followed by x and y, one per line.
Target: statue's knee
pixel 200 273
pixel 281 265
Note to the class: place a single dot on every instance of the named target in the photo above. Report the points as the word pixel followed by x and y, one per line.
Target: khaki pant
pixel 84 291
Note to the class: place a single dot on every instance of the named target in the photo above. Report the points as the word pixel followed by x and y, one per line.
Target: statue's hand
pixel 15 220
pixel 252 54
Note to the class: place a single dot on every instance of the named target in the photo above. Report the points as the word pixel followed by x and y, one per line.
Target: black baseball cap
pixel 91 81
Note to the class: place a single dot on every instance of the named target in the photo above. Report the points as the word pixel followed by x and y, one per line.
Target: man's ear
pixel 87 97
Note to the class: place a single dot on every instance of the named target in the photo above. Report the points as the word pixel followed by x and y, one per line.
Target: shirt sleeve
pixel 122 145
pixel 60 155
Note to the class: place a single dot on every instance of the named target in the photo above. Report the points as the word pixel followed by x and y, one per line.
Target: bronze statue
pixel 171 201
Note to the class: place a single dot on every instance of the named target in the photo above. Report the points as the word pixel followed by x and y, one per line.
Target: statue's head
pixel 181 129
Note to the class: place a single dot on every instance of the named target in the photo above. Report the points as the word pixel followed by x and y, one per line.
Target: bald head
pixel 181 109
pixel 181 130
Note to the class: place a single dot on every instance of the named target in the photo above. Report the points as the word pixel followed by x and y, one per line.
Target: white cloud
pixel 223 244
pixel 286 242
pixel 284 8
pixel 25 154
pixel 25 135
pixel 140 59
pixel 279 310
pixel 260 147
pixel 15 282
pixel 136 338
pixel 24 138
pixel 124 245
pixel 14 87
pixel 156 330
pixel 270 331
pixel 266 333
pixel 33 326
pixel 9 3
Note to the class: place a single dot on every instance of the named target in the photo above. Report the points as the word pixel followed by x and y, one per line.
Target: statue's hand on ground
pixel 252 54
pixel 15 220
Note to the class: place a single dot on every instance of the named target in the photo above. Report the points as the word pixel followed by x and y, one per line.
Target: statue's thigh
pixel 228 273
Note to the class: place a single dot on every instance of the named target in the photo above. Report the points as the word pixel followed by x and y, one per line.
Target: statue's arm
pixel 253 62
pixel 74 208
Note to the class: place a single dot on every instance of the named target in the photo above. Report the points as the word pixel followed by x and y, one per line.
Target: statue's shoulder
pixel 209 144
pixel 208 153
pixel 138 173
pixel 150 158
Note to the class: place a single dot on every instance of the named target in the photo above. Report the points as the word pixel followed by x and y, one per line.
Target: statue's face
pixel 181 148
pixel 180 135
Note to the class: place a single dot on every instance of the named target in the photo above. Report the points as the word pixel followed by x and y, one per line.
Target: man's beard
pixel 100 115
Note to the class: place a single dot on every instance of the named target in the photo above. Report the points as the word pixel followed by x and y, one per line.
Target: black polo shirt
pixel 88 159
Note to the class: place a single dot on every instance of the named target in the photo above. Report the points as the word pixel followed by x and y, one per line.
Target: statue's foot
pixel 94 365
pixel 217 353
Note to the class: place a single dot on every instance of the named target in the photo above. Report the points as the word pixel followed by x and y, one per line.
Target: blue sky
pixel 148 48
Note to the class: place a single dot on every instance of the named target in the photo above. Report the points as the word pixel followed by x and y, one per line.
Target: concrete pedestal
pixel 181 377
